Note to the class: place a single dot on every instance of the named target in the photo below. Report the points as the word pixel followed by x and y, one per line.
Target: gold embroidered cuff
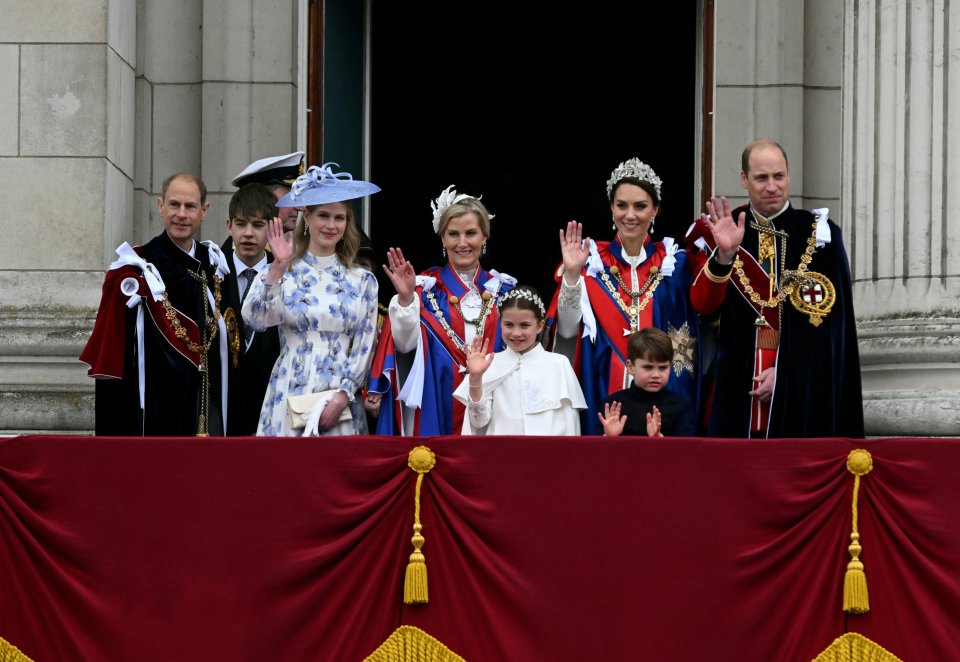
pixel 712 275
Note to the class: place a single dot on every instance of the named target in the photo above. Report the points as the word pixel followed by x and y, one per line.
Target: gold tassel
pixel 410 644
pixel 10 653
pixel 421 460
pixel 855 597
pixel 853 647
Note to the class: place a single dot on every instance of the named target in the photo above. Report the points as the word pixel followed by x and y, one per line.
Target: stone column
pixel 99 102
pixel 778 74
pixel 901 155
pixel 66 164
pixel 249 99
pixel 216 90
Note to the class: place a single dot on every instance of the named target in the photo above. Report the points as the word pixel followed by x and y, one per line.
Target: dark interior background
pixel 532 108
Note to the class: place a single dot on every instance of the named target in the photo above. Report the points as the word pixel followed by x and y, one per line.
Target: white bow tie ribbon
pixel 824 236
pixel 670 260
pixel 217 259
pixel 426 282
pixel 129 258
pixel 497 280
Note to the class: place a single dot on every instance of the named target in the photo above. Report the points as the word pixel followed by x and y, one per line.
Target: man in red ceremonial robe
pixel 787 362
pixel 159 346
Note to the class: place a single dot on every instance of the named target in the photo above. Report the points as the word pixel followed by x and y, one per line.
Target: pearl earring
pixel 483 249
pixel 444 252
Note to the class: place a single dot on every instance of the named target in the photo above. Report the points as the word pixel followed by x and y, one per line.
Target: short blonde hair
pixel 463 207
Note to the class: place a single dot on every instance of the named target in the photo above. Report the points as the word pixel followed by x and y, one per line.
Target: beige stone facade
pixel 99 101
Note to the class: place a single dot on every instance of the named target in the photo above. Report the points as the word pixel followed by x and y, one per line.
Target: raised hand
pixel 575 251
pixel 727 233
pixel 479 359
pixel 611 420
pixel 653 423
pixel 282 248
pixel 402 275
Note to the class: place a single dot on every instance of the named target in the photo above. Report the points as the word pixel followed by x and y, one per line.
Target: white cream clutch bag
pixel 300 408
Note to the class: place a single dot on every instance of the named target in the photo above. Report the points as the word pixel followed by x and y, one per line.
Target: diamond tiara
pixel 637 169
pixel 518 293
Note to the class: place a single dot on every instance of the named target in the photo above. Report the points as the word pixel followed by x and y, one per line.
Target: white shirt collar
pixel 239 267
pixel 634 260
pixel 770 218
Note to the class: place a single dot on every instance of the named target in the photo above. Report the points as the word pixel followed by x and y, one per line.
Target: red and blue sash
pixel 600 362
pixel 443 357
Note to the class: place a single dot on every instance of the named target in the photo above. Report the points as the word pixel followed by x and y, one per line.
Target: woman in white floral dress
pixel 324 304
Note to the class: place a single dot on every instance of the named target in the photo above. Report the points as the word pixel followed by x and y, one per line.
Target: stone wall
pixel 778 76
pixel 99 102
pixel 901 154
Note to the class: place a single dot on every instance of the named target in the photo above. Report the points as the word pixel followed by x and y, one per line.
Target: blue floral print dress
pixel 327 316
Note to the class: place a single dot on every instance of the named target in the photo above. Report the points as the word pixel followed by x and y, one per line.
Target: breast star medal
pixel 815 297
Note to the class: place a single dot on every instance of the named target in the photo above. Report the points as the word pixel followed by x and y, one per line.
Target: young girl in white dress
pixel 523 390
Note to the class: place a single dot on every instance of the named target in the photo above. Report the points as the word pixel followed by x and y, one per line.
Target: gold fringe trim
pixel 853 647
pixel 410 644
pixel 855 597
pixel 10 653
pixel 421 460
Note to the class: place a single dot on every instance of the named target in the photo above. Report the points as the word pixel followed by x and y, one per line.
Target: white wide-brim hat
pixel 321 186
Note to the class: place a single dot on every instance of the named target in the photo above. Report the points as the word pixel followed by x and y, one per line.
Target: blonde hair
pixel 346 248
pixel 463 207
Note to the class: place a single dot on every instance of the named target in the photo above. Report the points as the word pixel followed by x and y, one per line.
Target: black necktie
pixel 249 274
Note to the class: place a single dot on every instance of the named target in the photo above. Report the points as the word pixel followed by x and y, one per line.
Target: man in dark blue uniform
pixel 787 363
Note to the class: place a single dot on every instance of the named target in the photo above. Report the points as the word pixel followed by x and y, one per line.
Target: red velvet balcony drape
pixel 536 548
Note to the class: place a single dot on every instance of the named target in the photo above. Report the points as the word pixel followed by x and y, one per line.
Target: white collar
pixel 239 266
pixel 468 276
pixel 634 260
pixel 770 218
pixel 323 261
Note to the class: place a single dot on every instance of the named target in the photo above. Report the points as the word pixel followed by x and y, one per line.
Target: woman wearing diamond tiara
pixel 325 306
pixel 523 390
pixel 608 290
pixel 433 319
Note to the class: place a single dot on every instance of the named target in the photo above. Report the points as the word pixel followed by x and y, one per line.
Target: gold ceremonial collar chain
pixel 210 326
pixel 488 302
pixel 636 305
pixel 789 279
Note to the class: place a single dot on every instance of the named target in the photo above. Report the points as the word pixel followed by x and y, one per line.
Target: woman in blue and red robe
pixel 420 359
pixel 609 290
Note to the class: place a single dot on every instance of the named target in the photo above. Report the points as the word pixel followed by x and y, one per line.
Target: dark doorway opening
pixel 532 107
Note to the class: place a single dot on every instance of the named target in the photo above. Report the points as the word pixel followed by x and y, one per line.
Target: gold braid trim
pixel 421 460
pixel 10 653
pixel 853 647
pixel 410 644
pixel 855 597
pixel 714 278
